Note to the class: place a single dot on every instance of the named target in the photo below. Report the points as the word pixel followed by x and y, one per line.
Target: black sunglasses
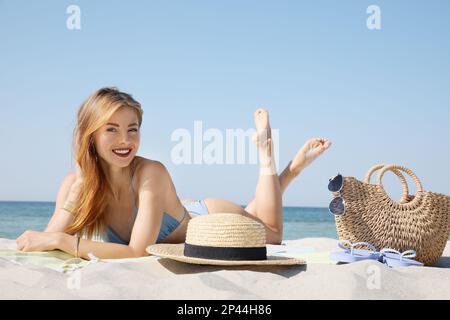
pixel 337 205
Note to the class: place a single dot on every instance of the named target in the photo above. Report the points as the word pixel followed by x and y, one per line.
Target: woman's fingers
pixel 19 245
pixel 23 242
pixel 19 242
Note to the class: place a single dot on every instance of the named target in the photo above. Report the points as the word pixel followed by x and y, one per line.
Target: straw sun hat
pixel 223 239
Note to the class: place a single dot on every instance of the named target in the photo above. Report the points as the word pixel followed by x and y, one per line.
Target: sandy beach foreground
pixel 154 278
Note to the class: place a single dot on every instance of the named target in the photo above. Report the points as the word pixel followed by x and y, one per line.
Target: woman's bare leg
pixel 284 179
pixel 268 202
pixel 311 150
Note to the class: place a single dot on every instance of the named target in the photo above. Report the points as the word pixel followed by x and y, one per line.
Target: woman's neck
pixel 118 178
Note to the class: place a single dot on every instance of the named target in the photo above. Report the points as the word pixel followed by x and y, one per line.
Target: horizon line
pixel 44 201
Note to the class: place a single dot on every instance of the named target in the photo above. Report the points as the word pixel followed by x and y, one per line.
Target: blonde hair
pixel 89 211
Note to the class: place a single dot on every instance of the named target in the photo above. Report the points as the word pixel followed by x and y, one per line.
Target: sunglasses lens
pixel 337 206
pixel 336 183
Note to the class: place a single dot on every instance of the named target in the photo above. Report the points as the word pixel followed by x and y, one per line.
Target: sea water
pixel 299 222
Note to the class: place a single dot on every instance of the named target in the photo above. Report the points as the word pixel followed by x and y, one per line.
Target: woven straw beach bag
pixel 420 222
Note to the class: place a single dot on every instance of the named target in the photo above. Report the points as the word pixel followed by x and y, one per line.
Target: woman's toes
pixel 260 111
pixel 261 119
pixel 263 130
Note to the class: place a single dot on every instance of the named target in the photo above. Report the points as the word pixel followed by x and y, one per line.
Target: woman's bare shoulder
pixel 148 166
pixel 150 171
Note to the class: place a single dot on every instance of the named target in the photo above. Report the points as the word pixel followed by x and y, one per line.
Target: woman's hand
pixel 31 241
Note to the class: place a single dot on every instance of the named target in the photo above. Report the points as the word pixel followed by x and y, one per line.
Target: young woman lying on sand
pixel 131 201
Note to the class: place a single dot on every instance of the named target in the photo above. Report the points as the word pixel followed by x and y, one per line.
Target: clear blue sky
pixel 378 95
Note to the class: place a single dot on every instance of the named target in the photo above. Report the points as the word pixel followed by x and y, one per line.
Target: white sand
pixel 165 279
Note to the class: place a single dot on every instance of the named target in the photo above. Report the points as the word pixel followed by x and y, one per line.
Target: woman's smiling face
pixel 117 141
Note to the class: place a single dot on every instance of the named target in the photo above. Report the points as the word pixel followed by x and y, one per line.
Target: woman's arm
pixel 68 192
pixel 61 218
pixel 31 241
pixel 154 188
pixel 102 250
pixel 153 185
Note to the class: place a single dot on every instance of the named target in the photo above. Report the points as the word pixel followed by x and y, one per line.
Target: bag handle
pixel 405 195
pixel 392 167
